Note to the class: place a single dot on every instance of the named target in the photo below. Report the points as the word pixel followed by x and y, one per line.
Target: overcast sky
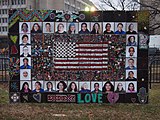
pixel 100 5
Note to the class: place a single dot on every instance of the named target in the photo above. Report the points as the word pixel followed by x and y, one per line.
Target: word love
pixel 89 98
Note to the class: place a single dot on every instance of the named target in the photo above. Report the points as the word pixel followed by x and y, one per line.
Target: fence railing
pixel 154 72
pixel 4 69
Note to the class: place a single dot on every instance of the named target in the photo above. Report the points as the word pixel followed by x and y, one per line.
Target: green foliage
pixel 143 16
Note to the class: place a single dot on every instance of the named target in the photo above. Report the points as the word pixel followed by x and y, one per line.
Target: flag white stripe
pixel 80 63
pixel 80 67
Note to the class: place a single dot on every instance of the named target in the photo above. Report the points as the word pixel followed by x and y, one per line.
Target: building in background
pixel 66 5
pixel 5 5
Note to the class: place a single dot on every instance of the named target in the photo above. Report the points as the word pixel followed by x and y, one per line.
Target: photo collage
pixel 42 56
pixel 57 56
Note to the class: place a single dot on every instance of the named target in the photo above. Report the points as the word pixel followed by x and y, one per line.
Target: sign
pixel 85 57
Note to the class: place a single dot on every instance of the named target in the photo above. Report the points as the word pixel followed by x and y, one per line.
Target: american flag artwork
pixel 86 53
pixel 81 55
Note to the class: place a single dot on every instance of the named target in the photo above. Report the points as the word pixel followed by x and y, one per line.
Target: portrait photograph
pixel 25 62
pixel 49 86
pixel 131 75
pixel 25 74
pixel 72 87
pixel 84 87
pixel 37 86
pixel 108 28
pixel 25 86
pixel 96 87
pixel 96 28
pixel 120 87
pixel 36 27
pixel 132 28
pixel 72 28
pixel 131 64
pixel 25 51
pixel 132 40
pixel 131 51
pixel 25 39
pixel 131 86
pixel 48 27
pixel 24 27
pixel 120 28
pixel 60 27
pixel 61 86
pixel 108 86
pixel 84 27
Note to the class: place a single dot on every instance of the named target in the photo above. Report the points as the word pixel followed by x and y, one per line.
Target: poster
pixel 72 58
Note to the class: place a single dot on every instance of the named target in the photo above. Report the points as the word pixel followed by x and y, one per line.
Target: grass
pixel 33 111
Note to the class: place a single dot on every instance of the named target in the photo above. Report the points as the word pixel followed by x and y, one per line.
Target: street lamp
pixel 93 9
pixel 86 8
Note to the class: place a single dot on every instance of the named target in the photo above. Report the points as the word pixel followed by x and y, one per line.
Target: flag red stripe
pixel 90 47
pixel 80 60
pixel 92 43
pixel 80 64
pixel 80 69
pixel 91 56
pixel 91 52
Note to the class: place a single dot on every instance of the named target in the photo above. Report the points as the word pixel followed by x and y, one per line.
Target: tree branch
pixel 145 5
pixel 110 4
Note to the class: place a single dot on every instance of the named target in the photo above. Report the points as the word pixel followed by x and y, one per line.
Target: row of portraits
pixel 81 27
pixel 81 87
pixel 25 75
pixel 27 39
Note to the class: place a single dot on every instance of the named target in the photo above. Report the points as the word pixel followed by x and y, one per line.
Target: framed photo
pixel 132 28
pixel 49 86
pixel 131 63
pixel 37 86
pixel 131 51
pixel 25 51
pixel 84 28
pixel 131 75
pixel 36 27
pixel 96 87
pixel 96 28
pixel 72 87
pixel 132 40
pixel 48 27
pixel 108 27
pixel 131 87
pixel 72 28
pixel 120 28
pixel 25 39
pixel 60 28
pixel 108 86
pixel 120 87
pixel 84 87
pixel 61 86
pixel 24 27
pixel 25 74
pixel 25 63
pixel 25 86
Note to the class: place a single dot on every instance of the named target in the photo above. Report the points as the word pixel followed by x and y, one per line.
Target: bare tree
pixel 153 6
pixel 119 5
